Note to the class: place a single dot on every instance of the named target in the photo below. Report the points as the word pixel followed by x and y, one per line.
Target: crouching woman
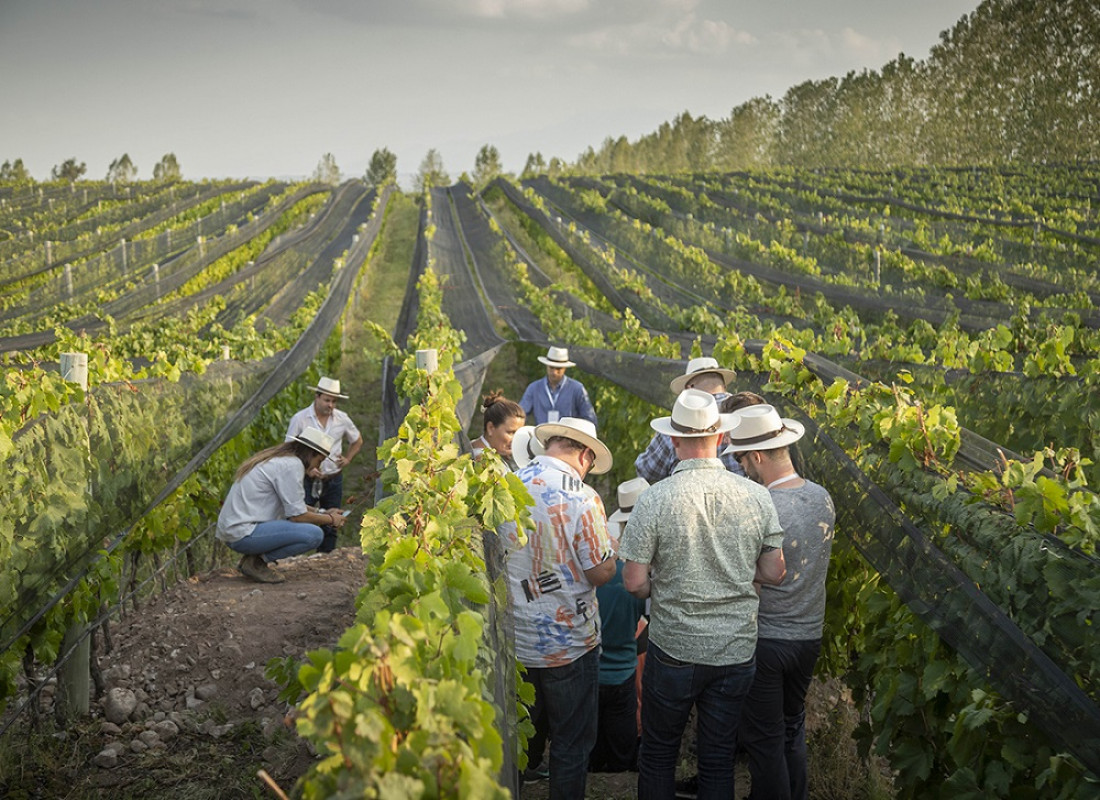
pixel 265 516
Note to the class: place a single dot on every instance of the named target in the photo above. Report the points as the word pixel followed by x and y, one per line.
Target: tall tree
pixel 747 140
pixel 535 165
pixel 486 164
pixel 431 172
pixel 14 171
pixel 382 168
pixel 122 170
pixel 327 171
pixel 68 170
pixel 167 169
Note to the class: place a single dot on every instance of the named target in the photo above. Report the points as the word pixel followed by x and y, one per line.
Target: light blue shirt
pixel 569 400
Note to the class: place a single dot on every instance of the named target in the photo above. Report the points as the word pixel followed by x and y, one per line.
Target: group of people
pixel 717 553
pixel 718 541
pixel 286 499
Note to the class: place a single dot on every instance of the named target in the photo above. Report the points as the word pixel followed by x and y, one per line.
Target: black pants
pixel 332 495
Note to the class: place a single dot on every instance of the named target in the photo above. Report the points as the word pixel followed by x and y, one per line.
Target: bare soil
pixel 195 658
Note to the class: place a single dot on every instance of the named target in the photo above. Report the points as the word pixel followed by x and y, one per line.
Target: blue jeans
pixel 279 538
pixel 332 496
pixel 568 695
pixel 670 688
pixel 773 721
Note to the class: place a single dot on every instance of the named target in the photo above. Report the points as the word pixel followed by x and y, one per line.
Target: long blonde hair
pixel 303 452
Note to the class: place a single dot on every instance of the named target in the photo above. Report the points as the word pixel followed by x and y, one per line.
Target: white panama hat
pixel 697 367
pixel 557 357
pixel 525 446
pixel 579 430
pixel 629 492
pixel 317 439
pixel 329 386
pixel 760 427
pixel 694 414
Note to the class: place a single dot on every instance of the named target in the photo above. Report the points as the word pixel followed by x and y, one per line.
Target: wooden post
pixel 74 679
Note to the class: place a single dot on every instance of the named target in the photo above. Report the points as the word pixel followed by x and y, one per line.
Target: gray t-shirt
pixel 795 610
pixel 702 530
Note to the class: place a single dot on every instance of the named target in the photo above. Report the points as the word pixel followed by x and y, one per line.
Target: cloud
pixel 669 28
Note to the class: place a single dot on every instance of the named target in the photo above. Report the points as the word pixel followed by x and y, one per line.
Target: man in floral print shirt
pixel 552 581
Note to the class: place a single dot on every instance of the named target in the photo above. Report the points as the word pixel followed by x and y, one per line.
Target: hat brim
pixel 549 363
pixel 726 422
pixel 619 516
pixel 604 460
pixel 525 446
pixel 680 382
pixel 312 446
pixel 788 437
pixel 326 391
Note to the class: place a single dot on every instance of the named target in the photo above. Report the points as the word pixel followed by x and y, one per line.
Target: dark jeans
pixel 669 690
pixel 332 495
pixel 773 721
pixel 568 696
pixel 616 747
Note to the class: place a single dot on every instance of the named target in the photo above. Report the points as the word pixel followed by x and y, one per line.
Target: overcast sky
pixel 261 88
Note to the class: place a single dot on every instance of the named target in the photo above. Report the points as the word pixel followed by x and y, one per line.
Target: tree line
pixel 1015 81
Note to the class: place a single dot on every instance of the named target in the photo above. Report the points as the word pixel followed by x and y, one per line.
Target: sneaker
pixel 257 569
pixel 536 774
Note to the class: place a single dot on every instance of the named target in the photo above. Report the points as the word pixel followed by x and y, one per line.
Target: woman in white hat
pixel 265 515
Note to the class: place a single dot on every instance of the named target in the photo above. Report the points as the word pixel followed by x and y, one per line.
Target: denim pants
pixel 616 747
pixel 670 688
pixel 568 695
pixel 279 538
pixel 332 496
pixel 773 721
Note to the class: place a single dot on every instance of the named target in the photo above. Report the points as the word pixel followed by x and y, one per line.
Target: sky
pixel 265 88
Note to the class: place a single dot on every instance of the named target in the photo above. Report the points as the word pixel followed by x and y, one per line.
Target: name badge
pixel 552 416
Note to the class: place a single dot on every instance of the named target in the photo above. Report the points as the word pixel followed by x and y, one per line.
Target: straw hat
pixel 629 492
pixel 694 414
pixel 525 446
pixel 329 386
pixel 579 430
pixel 557 357
pixel 316 439
pixel 760 427
pixel 697 367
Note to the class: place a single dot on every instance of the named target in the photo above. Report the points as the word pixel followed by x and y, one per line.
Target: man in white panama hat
pixel 695 543
pixel 552 582
pixel 556 396
pixel 324 485
pixel 704 373
pixel 792 614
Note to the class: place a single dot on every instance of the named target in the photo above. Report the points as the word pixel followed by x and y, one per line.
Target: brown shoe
pixel 256 568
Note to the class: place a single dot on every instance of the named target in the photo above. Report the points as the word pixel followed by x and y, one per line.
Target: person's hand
pixel 314 472
pixel 338 519
pixel 340 461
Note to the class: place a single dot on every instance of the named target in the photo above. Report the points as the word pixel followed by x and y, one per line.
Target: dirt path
pixel 189 668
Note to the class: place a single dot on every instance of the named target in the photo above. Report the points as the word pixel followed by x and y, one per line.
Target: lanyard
pixel 554 398
pixel 784 479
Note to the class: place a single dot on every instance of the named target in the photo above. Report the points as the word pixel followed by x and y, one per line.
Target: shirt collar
pixel 699 463
pixel 558 464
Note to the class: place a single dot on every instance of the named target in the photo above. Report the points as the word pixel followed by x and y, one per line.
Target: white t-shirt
pixel 340 427
pixel 271 490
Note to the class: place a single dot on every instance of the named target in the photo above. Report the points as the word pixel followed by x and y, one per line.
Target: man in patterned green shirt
pixel 695 543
